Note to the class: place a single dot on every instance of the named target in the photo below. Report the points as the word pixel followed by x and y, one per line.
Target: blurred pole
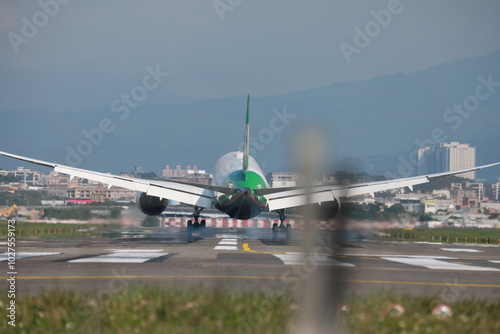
pixel 321 291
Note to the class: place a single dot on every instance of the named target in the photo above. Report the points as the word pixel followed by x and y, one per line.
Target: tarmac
pixel 250 261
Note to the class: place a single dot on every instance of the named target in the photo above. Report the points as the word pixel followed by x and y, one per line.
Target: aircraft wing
pixel 282 198
pixel 194 194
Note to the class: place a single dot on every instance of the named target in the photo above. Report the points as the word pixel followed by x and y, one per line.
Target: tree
pixel 397 209
pixel 425 218
pixel 8 179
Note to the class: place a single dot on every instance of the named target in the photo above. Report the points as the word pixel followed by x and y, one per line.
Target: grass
pixel 149 311
pixel 24 229
pixel 367 316
pixel 191 311
pixel 491 236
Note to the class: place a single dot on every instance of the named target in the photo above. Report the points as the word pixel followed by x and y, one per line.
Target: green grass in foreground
pixel 367 316
pixel 192 311
pixel 443 234
pixel 149 311
pixel 24 229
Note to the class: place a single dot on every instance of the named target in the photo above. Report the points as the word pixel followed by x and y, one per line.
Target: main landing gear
pixel 196 225
pixel 282 228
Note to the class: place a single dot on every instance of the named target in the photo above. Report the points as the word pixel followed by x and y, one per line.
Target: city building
pixel 101 194
pixel 432 206
pixel 179 172
pixel 442 193
pixel 496 191
pixel 447 157
pixel 138 170
pixel 206 179
pixel 412 202
pixel 478 188
pixel 26 176
pixel 284 179
pixel 473 190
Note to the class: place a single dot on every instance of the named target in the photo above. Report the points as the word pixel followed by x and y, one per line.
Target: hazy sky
pixel 83 53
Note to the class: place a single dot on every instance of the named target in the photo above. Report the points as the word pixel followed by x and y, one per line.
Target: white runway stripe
pixel 134 250
pixel 227 244
pixel 401 255
pixel 226 247
pixel 437 264
pixel 494 261
pixel 467 250
pixel 24 255
pixel 123 256
pixel 299 259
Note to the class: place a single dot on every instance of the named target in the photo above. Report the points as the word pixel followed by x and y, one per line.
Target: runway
pixel 227 259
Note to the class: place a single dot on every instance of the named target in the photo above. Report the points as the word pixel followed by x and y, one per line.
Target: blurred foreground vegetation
pixel 192 311
pixel 25 229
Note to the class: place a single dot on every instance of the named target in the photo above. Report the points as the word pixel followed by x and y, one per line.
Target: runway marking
pixel 115 250
pixel 246 248
pixel 223 244
pixel 494 261
pixel 24 255
pixel 437 264
pixel 406 256
pixel 226 247
pixel 299 259
pixel 123 256
pixel 468 250
pixel 476 285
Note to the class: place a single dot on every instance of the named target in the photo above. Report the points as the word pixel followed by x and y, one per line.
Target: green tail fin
pixel 247 138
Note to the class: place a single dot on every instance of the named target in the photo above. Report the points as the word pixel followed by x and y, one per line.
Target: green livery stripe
pixel 238 180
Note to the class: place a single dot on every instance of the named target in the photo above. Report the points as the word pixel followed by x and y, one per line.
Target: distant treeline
pixel 76 213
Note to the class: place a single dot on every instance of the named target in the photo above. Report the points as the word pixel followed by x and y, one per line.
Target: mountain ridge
pixel 367 121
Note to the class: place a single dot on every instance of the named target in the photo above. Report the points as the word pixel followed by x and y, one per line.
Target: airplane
pixel 240 190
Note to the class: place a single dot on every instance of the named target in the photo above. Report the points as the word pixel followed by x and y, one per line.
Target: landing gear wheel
pixel 275 232
pixel 203 224
pixel 288 232
pixel 189 230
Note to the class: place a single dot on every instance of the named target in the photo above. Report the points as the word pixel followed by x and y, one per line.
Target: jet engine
pixel 151 205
